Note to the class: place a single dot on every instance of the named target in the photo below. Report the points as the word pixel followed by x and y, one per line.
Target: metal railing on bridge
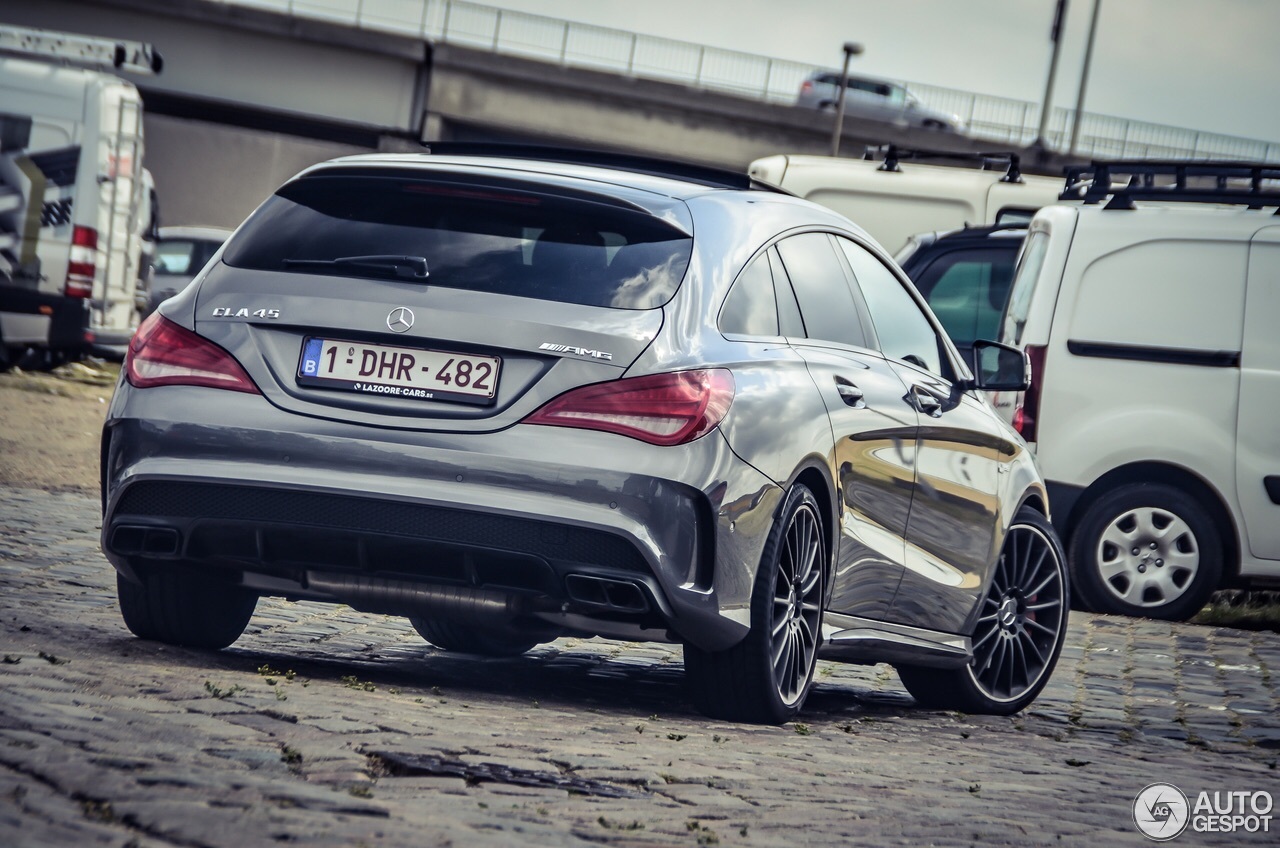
pixel 999 119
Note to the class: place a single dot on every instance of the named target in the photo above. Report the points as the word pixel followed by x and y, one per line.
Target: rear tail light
pixel 164 354
pixel 82 266
pixel 1024 417
pixel 662 409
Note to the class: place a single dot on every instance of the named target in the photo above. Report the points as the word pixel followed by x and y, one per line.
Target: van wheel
pixel 1021 627
pixel 185 609
pixel 766 677
pixel 1146 549
pixel 490 641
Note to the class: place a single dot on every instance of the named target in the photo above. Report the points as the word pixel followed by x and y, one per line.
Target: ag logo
pixel 1161 811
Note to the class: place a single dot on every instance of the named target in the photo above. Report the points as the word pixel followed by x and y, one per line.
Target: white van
pixel 1150 324
pixel 71 195
pixel 893 201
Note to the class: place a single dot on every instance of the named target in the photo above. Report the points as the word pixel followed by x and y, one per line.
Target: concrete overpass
pixel 249 97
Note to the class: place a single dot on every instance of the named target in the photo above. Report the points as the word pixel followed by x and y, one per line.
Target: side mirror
pixel 1000 367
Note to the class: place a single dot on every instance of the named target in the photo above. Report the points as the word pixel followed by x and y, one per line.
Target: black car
pixel 965 276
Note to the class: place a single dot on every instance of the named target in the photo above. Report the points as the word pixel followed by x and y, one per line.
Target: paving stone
pixel 123 744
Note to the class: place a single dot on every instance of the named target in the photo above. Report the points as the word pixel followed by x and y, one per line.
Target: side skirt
pixel 847 638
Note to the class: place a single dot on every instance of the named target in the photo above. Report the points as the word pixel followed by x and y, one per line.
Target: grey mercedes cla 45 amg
pixel 521 396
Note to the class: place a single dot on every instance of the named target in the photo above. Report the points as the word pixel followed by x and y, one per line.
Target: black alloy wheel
pixel 1021 626
pixel 766 677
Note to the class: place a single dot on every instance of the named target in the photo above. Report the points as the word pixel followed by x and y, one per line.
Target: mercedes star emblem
pixel 400 319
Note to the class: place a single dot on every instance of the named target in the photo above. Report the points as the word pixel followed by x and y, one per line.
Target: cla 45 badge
pixel 244 312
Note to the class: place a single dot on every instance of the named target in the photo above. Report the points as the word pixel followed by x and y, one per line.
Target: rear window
pixel 183 257
pixel 478 237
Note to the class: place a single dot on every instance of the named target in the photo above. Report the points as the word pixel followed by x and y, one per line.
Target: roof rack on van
pixel 1002 158
pixel 651 165
pixel 74 49
pixel 1242 183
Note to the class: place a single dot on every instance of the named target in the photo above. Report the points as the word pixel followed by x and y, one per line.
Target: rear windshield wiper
pixel 403 267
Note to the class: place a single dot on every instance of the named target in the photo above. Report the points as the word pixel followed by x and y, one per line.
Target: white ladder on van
pixel 135 56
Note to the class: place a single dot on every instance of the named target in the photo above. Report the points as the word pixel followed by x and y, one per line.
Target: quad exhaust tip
pixel 133 540
pixel 606 593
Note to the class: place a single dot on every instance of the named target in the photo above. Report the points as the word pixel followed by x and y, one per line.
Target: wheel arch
pixel 1170 475
pixel 815 475
pixel 1035 499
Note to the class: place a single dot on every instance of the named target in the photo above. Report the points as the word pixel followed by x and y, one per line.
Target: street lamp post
pixel 1084 80
pixel 851 49
pixel 1055 35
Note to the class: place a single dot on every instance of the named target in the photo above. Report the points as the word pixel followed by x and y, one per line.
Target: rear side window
pixel 750 308
pixel 967 290
pixel 480 238
pixel 822 289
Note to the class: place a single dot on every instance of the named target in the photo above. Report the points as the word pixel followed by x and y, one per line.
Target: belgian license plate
pixel 401 372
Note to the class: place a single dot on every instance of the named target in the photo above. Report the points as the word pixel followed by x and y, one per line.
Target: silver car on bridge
pixel 517 396
pixel 871 99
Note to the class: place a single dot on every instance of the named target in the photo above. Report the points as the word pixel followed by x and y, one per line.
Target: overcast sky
pixel 1204 64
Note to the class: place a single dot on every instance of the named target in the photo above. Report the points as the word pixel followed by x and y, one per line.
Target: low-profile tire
pixel 491 641
pixel 1146 549
pixel 1021 627
pixel 185 609
pixel 766 677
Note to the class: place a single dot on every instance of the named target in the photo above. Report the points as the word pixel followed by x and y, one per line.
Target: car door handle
pixel 925 402
pixel 851 394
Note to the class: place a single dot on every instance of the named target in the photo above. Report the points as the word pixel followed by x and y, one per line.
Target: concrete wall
pixel 518 98
pixel 215 175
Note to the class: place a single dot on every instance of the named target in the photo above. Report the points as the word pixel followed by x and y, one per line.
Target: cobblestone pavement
pixel 298 733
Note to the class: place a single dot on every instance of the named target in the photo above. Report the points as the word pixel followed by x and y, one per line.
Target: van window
pixel 900 324
pixel 1014 215
pixel 822 288
pixel 1030 261
pixel 967 290
pixel 750 309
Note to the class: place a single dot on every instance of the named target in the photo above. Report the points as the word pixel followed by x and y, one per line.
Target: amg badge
pixel 580 351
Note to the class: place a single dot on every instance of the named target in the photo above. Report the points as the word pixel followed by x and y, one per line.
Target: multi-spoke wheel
pixel 766 677
pixel 1146 549
pixel 1021 624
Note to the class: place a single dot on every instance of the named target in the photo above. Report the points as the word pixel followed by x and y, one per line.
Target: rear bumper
pixel 588 532
pixel 109 341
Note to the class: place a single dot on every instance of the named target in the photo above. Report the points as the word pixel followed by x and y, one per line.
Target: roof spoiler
pixel 651 165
